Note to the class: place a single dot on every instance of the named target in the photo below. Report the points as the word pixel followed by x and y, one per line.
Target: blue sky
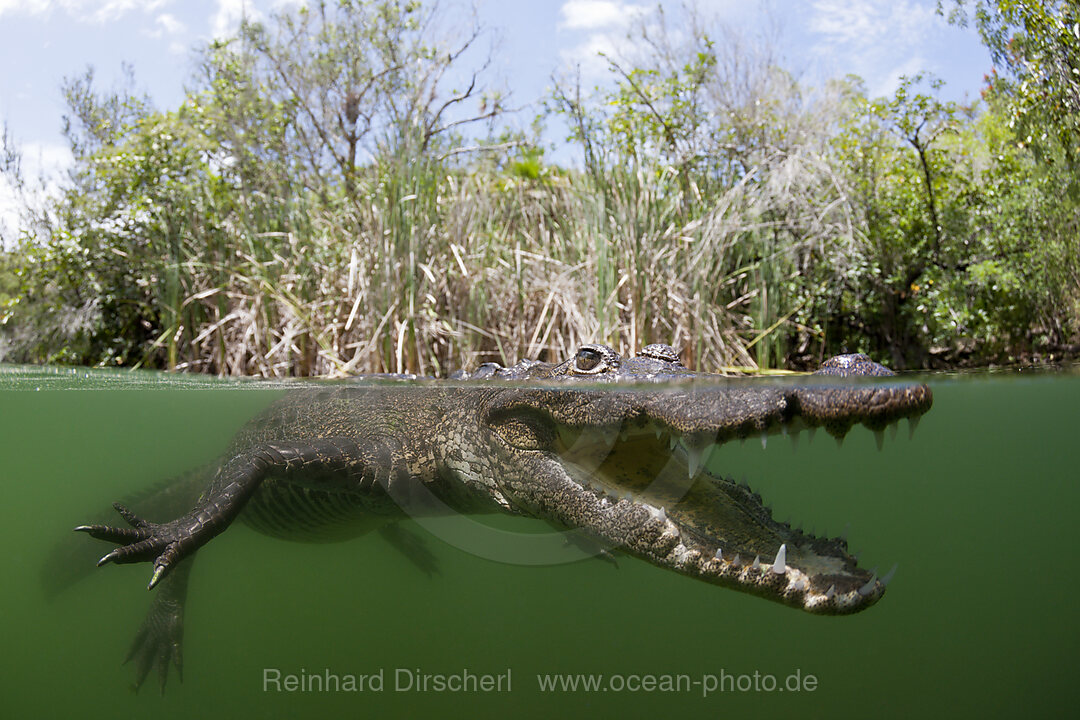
pixel 42 41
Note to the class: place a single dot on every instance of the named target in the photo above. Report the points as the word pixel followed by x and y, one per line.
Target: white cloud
pixel 606 23
pixel 226 19
pixel 891 80
pixel 43 166
pixel 596 14
pixel 9 213
pixel 879 40
pixel 26 7
pixel 45 161
pixel 115 9
pixel 96 11
pixel 169 24
pixel 591 55
pixel 868 23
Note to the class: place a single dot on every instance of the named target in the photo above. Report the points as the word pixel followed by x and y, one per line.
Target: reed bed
pixel 453 270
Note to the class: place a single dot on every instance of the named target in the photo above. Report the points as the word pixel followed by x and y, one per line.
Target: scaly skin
pixel 569 443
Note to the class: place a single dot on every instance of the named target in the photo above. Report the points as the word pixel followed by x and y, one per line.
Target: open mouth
pixel 708 526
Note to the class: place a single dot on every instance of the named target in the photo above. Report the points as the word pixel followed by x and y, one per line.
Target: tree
pixel 961 247
pixel 1037 47
pixel 350 82
pixel 293 158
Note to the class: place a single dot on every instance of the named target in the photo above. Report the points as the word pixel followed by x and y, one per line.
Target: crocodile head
pixel 628 466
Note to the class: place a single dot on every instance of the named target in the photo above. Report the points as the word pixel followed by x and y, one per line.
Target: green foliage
pixel 1037 46
pixel 962 244
pixel 322 126
pixel 326 200
pixel 894 157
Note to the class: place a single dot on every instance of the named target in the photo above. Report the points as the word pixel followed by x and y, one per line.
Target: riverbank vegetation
pixel 341 191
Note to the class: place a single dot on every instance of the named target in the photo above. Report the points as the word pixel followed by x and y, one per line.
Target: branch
pixel 484 148
pixel 668 132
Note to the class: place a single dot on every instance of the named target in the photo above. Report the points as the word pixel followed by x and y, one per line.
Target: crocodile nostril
pixel 659 351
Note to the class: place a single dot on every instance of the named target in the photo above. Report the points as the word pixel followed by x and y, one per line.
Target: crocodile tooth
pixel 735 562
pixel 913 422
pixel 879 438
pixel 658 431
pixel 839 440
pixel 800 585
pixel 693 460
pixel 673 441
pixel 757 563
pixel 893 429
pixel 869 586
pixel 609 436
pixel 780 564
pixel 811 433
pixel 719 555
pixel 764 439
pixel 830 592
pixel 655 512
pixel 887 577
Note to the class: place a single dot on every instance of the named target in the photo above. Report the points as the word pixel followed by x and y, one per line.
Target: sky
pixel 44 41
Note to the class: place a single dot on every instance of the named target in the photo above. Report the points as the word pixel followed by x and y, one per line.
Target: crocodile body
pixel 613 449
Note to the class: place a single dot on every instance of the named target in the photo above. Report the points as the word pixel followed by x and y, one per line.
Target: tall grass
pixel 437 269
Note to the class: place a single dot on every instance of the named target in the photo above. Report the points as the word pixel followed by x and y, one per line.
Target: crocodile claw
pixel 159 572
pixel 142 542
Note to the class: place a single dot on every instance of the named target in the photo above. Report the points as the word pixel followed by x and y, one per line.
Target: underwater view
pixel 976 510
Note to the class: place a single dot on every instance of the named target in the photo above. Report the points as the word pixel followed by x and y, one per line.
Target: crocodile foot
pixel 165 543
pixel 159 640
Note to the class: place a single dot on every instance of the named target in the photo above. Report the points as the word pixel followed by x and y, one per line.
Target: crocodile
pixel 612 450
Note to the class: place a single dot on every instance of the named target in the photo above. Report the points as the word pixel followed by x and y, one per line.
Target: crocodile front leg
pixel 340 463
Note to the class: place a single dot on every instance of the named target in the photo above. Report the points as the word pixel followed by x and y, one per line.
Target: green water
pixel 978 510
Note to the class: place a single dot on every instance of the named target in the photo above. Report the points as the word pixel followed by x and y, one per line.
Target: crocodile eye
pixel 595 359
pixel 587 359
